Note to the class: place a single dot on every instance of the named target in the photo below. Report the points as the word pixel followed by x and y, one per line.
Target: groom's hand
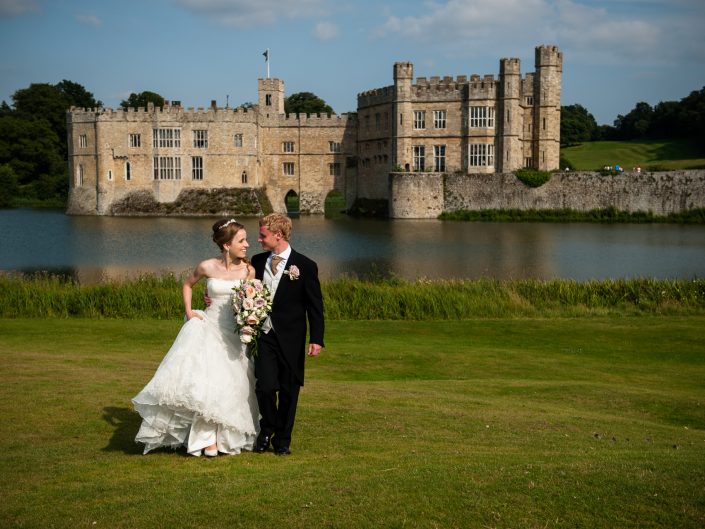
pixel 314 349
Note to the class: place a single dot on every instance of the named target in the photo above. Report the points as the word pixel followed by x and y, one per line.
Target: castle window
pixel 439 119
pixel 167 168
pixel 110 174
pixel 82 141
pixel 166 138
pixel 197 167
pixel 378 121
pixel 544 123
pixel 135 140
pixel 288 146
pixel 481 117
pixel 386 120
pixel 334 146
pixel 288 168
pixel 244 177
pixel 439 158
pixel 530 101
pixel 335 169
pixel 81 174
pixel 481 155
pixel 419 119
pixel 528 162
pixel 238 140
pixel 419 157
pixel 200 139
pixel 268 100
pixel 128 171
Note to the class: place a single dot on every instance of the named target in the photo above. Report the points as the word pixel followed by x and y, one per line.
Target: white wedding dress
pixel 203 390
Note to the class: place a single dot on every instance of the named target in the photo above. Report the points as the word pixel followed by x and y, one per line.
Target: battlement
pixel 152 113
pixel 403 70
pixel 308 120
pixel 548 56
pixel 376 96
pixel 510 66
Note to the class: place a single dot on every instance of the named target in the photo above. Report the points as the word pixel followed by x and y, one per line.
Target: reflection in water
pixel 97 248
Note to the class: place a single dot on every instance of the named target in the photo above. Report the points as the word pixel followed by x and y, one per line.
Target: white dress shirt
pixel 272 280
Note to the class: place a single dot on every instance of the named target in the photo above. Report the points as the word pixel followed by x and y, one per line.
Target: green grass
pixel 649 154
pixel 151 297
pixel 521 423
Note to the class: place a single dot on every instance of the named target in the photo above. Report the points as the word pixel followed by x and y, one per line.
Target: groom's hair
pixel 276 222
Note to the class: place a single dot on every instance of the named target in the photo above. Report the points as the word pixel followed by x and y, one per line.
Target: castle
pixel 475 125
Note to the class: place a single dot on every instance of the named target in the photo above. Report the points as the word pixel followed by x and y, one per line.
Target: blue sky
pixel 616 53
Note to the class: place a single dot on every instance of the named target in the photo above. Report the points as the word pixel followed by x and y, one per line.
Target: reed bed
pixel 48 296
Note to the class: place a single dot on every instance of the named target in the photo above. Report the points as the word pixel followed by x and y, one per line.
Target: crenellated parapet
pixel 308 120
pixel 157 114
pixel 377 96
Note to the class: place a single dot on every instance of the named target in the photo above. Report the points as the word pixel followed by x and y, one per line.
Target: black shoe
pixel 282 451
pixel 262 444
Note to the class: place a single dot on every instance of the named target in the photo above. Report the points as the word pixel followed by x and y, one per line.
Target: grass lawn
pixel 649 154
pixel 485 423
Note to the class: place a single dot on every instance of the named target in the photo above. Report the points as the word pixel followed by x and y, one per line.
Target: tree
pixel 577 125
pixel 635 125
pixel 142 99
pixel 306 103
pixel 77 96
pixel 8 186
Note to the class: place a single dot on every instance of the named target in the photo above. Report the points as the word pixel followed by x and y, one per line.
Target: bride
pixel 202 395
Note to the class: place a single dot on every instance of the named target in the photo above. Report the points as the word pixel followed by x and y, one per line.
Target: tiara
pixel 231 221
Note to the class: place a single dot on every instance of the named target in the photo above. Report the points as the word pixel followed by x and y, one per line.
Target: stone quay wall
pixel 426 195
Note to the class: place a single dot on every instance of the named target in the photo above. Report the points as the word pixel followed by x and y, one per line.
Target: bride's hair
pixel 223 232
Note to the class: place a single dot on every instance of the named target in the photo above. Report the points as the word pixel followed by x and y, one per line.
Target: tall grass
pixel 44 296
pixel 606 215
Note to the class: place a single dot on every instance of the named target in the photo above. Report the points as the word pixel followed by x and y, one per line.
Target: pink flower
pixel 252 319
pixel 250 291
pixel 293 272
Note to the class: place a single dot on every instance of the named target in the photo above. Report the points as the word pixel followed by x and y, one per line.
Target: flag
pixel 266 55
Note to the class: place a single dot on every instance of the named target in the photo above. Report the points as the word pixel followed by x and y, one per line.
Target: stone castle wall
pixel 423 195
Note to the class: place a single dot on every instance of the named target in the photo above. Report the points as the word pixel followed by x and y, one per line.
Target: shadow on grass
pixel 126 423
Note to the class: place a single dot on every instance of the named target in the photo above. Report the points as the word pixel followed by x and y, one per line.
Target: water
pixel 96 248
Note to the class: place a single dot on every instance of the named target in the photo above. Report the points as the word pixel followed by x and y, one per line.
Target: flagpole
pixel 266 59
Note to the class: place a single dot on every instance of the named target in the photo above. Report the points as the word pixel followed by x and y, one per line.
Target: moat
pixel 93 248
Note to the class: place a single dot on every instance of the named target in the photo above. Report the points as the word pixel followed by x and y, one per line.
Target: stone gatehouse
pixel 475 124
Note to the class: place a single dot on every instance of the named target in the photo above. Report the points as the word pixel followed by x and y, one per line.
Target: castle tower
pixel 547 107
pixel 271 96
pixel 402 114
pixel 509 117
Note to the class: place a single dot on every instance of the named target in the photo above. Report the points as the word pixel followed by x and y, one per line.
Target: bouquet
pixel 252 303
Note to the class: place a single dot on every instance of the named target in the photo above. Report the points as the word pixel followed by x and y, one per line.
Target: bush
pixel 533 177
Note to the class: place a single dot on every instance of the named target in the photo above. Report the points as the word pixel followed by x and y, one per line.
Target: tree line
pixel 666 120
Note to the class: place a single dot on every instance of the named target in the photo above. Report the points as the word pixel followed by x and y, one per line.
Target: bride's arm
pixel 250 272
pixel 187 290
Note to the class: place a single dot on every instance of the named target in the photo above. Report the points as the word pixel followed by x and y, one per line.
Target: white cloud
pixel 13 8
pixel 90 20
pixel 643 31
pixel 246 14
pixel 326 31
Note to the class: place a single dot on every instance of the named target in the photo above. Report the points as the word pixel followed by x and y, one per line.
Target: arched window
pixel 244 177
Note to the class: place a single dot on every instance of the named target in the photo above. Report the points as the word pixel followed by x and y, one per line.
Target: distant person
pixel 281 348
pixel 202 395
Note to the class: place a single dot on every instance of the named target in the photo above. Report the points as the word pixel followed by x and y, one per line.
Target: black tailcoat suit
pixel 279 364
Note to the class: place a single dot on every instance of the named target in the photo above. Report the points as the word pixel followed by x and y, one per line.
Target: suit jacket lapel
pixel 285 280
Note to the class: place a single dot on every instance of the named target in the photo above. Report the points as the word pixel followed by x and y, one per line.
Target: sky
pixel 615 53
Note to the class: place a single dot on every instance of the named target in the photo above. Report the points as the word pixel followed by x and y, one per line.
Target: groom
pixel 279 366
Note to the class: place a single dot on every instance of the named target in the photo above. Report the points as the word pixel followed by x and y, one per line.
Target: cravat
pixel 275 262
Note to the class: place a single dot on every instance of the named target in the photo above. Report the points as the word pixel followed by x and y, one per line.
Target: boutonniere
pixel 293 272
